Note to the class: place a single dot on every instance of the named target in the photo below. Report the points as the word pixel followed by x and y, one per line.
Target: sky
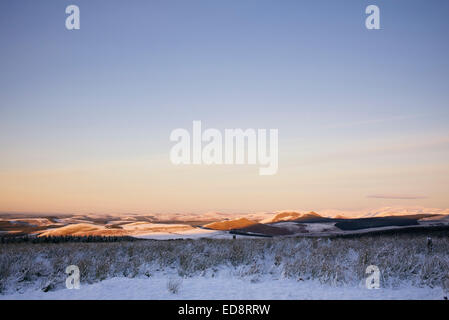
pixel 86 115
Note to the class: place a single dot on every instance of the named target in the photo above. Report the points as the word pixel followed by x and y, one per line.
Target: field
pixel 317 265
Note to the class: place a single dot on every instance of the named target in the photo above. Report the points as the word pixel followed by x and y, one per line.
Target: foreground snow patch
pixel 199 288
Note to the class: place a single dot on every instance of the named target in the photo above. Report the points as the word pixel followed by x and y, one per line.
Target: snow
pixel 383 211
pixel 227 287
pixel 320 227
pixel 196 233
pixel 187 234
pixel 148 225
pixel 286 268
pixel 38 222
pixel 78 229
pixel 127 225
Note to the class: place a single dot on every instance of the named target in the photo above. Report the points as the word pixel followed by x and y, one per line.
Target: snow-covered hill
pixel 186 225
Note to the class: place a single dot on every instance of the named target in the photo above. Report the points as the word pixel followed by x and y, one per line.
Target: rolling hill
pixel 230 224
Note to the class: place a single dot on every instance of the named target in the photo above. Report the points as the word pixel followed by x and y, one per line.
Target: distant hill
pixel 312 217
pixel 283 216
pixel 130 229
pixel 79 229
pixel 265 230
pixel 377 222
pixel 178 225
pixel 230 224
pixel 293 216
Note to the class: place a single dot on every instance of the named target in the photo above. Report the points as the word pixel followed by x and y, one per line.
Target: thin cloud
pixel 396 196
pixel 373 121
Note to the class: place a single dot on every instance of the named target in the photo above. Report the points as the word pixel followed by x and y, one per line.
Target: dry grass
pixel 336 261
pixel 174 285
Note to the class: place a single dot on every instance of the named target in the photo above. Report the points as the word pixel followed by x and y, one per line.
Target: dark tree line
pixel 63 239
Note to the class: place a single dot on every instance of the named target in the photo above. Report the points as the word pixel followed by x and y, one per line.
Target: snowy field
pixel 227 288
pixel 277 268
pixel 188 234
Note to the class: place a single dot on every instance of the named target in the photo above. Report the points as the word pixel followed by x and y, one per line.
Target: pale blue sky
pixel 136 70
